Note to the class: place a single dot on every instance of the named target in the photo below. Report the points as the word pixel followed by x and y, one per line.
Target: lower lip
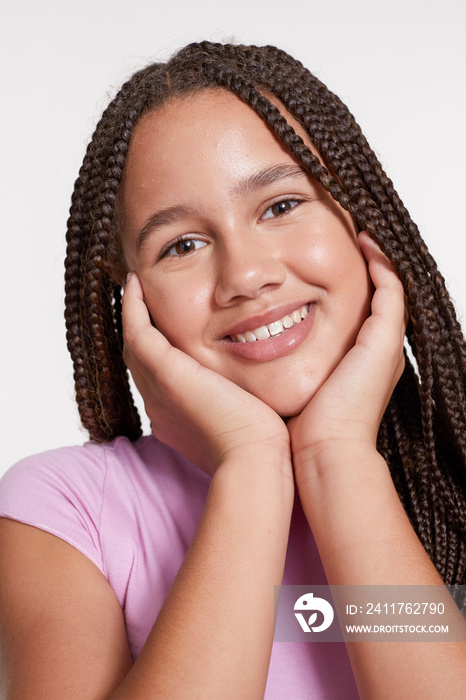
pixel 275 346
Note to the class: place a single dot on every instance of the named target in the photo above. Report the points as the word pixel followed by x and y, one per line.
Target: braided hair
pixel 422 434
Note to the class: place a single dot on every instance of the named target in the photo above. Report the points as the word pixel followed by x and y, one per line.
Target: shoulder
pixel 87 467
pixel 96 494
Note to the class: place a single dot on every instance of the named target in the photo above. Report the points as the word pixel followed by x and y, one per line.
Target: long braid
pixel 93 305
pixel 422 435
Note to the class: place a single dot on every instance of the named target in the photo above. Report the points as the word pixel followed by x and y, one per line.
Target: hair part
pixel 422 434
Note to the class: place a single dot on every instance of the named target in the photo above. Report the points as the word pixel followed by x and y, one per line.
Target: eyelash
pixel 288 200
pixel 291 200
pixel 166 251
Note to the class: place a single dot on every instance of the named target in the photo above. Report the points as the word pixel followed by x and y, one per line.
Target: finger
pixel 134 310
pixel 147 350
pixel 384 272
pixel 388 300
pixel 371 251
pixel 139 334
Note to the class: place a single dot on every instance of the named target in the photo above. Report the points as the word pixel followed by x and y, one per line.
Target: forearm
pixel 214 634
pixel 365 537
pixel 360 526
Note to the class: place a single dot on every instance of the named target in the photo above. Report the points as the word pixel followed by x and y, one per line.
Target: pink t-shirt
pixel 132 509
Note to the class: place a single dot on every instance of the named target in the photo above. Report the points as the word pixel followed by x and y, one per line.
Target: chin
pixel 289 405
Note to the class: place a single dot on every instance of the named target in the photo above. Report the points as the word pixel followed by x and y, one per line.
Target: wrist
pixel 262 455
pixel 257 472
pixel 321 459
pixel 338 478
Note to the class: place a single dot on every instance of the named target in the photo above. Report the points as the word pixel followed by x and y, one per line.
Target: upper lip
pixel 273 314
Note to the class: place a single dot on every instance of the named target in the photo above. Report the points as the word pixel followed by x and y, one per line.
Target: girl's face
pixel 247 264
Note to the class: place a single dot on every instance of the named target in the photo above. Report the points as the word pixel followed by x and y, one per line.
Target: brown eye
pixel 280 208
pixel 183 246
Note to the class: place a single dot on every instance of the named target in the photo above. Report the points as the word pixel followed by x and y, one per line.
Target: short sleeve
pixel 60 492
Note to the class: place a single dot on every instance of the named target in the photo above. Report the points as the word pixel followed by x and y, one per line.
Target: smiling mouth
pixel 272 330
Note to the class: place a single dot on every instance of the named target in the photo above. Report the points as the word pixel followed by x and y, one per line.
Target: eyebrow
pixel 268 176
pixel 164 217
pixel 247 185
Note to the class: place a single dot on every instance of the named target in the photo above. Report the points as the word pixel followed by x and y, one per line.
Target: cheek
pixel 178 308
pixel 337 267
pixel 333 261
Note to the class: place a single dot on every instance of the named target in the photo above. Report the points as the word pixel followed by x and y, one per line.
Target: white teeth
pixel 276 328
pixel 287 322
pixel 262 333
pixel 273 329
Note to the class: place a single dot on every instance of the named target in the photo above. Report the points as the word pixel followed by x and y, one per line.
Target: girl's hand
pixel 348 407
pixel 193 409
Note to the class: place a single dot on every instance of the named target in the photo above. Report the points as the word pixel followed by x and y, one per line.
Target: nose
pixel 247 268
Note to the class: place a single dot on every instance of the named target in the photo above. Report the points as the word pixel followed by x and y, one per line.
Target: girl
pixel 263 323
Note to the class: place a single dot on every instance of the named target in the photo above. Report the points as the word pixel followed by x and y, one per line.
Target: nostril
pixel 240 281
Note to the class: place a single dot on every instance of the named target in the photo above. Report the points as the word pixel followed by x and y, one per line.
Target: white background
pixel 399 66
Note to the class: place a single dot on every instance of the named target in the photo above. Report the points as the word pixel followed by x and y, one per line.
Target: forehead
pixel 205 108
pixel 211 126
